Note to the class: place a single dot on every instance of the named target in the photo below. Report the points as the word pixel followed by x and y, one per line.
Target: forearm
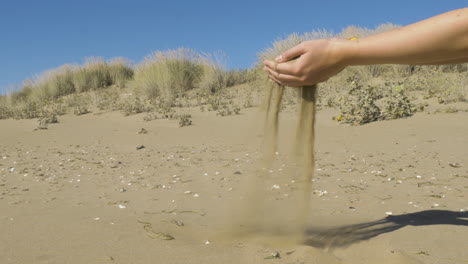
pixel 438 40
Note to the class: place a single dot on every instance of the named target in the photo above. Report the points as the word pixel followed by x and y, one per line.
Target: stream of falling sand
pixel 303 144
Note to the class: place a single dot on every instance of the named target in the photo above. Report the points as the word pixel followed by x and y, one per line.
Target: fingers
pixel 284 79
pixel 291 53
pixel 283 68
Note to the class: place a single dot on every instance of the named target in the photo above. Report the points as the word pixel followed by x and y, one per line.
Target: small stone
pixel 275 255
pixel 122 190
pixel 388 213
pixel 238 172
pixel 122 206
pixel 275 186
pixel 140 147
pixel 207 242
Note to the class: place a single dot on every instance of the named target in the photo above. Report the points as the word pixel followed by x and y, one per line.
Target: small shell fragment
pixel 388 213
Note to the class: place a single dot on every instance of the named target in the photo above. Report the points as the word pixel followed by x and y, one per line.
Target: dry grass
pixel 185 78
pixel 168 75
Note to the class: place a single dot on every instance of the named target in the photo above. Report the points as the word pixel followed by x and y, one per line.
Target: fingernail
pixel 279 58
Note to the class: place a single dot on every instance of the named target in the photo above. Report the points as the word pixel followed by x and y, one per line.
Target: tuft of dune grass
pixel 68 79
pixel 165 75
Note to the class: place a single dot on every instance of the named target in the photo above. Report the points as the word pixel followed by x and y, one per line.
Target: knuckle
pixel 302 78
pixel 296 71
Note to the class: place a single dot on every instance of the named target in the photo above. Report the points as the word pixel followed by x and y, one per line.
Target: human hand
pixel 317 61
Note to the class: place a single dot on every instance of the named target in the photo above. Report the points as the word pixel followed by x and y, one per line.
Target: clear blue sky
pixel 40 35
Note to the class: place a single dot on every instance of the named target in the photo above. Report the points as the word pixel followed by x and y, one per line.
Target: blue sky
pixel 40 35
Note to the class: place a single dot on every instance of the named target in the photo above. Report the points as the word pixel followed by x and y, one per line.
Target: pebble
pixel 275 186
pixel 320 192
pixel 122 206
pixel 388 213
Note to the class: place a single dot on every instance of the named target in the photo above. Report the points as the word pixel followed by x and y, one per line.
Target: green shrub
pixel 398 105
pixel 360 107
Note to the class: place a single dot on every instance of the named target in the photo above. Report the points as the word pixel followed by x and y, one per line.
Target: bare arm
pixel 442 39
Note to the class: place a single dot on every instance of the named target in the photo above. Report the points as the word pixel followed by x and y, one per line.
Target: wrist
pixel 343 52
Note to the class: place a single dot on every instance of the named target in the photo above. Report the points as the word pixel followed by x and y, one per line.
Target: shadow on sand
pixel 343 236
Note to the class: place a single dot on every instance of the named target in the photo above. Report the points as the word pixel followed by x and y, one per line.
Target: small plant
pixel 228 108
pixel 107 99
pixel 185 120
pixel 5 112
pixel 150 116
pixel 397 105
pixel 134 105
pixel 360 106
pixel 159 110
pixel 28 110
pixel 46 119
pixel 79 103
pixel 214 102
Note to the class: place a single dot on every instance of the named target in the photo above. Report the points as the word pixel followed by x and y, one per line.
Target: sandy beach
pixel 97 189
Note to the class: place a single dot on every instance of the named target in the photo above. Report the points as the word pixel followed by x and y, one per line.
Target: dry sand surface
pixel 81 191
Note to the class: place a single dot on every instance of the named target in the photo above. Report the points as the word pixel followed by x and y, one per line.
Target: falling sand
pixel 303 144
pixel 262 214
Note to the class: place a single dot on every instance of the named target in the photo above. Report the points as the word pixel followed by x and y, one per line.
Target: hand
pixel 317 61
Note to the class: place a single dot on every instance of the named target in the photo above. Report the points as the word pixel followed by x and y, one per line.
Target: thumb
pixel 291 53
